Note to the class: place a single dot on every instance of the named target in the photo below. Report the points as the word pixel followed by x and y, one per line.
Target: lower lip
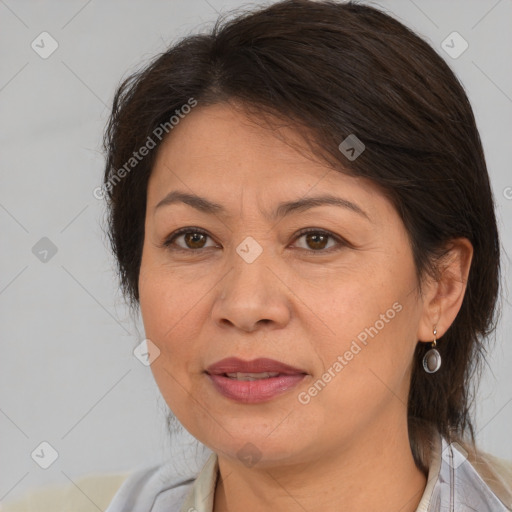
pixel 255 391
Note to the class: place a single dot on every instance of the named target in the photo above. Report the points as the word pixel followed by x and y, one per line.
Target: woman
pixel 300 206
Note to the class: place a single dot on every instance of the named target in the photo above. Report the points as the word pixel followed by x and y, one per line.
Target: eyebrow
pixel 204 205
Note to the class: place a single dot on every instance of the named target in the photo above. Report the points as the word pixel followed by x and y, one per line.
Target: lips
pixel 253 381
pixel 261 365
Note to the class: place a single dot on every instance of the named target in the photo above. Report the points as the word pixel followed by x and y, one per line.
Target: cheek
pixel 164 311
pixel 365 377
pixel 168 310
pixel 373 318
pixel 169 314
pixel 168 293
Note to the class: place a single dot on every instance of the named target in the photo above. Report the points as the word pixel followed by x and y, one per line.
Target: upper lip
pixel 260 365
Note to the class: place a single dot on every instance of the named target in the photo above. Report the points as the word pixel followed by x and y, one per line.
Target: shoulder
pixel 161 487
pixel 494 471
pixel 156 488
pixel 86 494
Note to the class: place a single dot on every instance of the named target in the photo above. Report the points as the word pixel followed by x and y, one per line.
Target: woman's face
pixel 338 305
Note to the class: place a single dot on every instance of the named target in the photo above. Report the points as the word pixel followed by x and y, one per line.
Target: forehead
pixel 223 137
pixel 220 153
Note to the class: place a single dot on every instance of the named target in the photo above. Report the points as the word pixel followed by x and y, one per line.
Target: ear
pixel 442 297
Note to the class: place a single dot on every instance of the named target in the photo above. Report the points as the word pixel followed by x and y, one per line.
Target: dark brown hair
pixel 334 69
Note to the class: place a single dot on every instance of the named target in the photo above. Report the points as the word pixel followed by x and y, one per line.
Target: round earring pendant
pixel 432 361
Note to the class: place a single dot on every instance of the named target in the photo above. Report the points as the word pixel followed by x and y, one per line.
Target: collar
pixel 200 497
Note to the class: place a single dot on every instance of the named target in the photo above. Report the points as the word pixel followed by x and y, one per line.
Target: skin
pixel 299 302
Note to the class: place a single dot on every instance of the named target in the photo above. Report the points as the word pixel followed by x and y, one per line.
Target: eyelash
pixel 168 243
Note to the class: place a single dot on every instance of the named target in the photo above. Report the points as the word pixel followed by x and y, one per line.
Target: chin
pixel 258 448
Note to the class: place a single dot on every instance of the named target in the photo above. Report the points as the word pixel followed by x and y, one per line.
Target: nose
pixel 252 295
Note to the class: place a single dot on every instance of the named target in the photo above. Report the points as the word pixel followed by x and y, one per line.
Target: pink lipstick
pixel 253 381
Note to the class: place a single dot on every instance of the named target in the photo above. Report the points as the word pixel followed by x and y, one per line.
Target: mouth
pixel 233 366
pixel 251 376
pixel 255 381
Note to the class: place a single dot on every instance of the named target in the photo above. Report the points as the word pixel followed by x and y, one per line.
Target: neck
pixel 376 471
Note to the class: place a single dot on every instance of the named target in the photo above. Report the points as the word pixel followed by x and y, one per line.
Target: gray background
pixel 67 372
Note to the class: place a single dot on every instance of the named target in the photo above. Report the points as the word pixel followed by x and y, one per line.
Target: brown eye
pixel 318 240
pixel 193 240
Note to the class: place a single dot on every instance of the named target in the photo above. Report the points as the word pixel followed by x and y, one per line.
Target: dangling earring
pixel 432 359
